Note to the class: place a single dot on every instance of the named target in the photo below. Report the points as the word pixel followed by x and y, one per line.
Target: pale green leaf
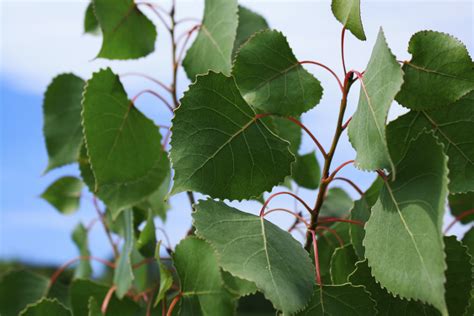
pixel 338 300
pixel 126 32
pixel 220 147
pixel 439 73
pixel 336 204
pixel 343 264
pixel 212 48
pixel 249 24
pixel 123 273
pixel 403 241
pixel 348 13
pixel 91 25
pixel 382 80
pixel 459 203
pixel 306 171
pixel 452 125
pixel 64 194
pixel 62 120
pixel 254 249
pixel 123 146
pixel 202 286
pixel 166 279
pixel 271 79
pixel 80 238
pixel 46 307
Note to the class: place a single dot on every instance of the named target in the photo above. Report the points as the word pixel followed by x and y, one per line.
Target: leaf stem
pixel 155 8
pixel 138 74
pixel 262 210
pixel 106 227
pixel 315 140
pixel 156 94
pixel 187 38
pixel 343 33
pixel 327 68
pixel 458 218
pixel 332 231
pixel 316 257
pixel 340 220
pixel 107 299
pixel 173 304
pixel 334 173
pixel 297 216
pixel 355 186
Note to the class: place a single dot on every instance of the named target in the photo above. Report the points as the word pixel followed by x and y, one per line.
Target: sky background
pixel 41 39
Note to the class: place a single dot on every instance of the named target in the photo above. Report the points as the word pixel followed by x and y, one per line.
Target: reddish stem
pixel 343 33
pixel 155 9
pixel 382 174
pixel 323 220
pixel 315 140
pixel 158 82
pixel 281 193
pixel 325 67
pixel 458 218
pixel 187 38
pixel 298 217
pixel 154 94
pixel 316 258
pixel 351 183
pixel 173 304
pixel 332 231
pixel 107 299
pixel 334 173
pixel 344 126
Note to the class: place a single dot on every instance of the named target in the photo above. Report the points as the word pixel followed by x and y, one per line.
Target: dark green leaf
pixel 64 194
pixel 202 286
pixel 80 238
pixel 220 147
pixel 249 24
pixel 127 33
pixel 277 83
pixel 342 299
pixel 123 274
pixel 343 264
pixel 348 13
pixel 336 204
pixel 460 203
pixel 46 307
pixel 91 25
pixel 288 131
pixel 254 249
pixel 124 147
pixel 430 81
pixel 403 241
pixel 94 308
pixel 306 171
pixel 62 120
pixel 382 81
pixel 238 287
pixel 212 49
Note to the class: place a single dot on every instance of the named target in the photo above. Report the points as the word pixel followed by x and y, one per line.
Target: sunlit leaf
pixel 249 23
pixel 348 13
pixel 64 194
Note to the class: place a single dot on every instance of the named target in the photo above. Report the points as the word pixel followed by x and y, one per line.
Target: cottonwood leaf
pixel 82 290
pixel 46 307
pixel 254 249
pixel 439 73
pixel 249 24
pixel 468 241
pixel 348 13
pixel 124 147
pixel 458 276
pixel 212 48
pixel 337 203
pixel 343 264
pixel 344 299
pixel 91 25
pixel 220 147
pixel 386 303
pixel 381 82
pixel 288 131
pixel 452 125
pixel 202 286
pixel 403 241
pixel 64 194
pixel 80 238
pixel 123 273
pixel 62 120
pixel 306 171
pixel 271 79
pixel 236 286
pixel 126 32
pixel 459 203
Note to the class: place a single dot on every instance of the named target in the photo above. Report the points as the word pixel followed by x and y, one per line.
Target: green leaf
pixel 348 13
pixel 468 241
pixel 452 125
pixel 202 287
pixel 127 32
pixel 249 24
pixel 288 131
pixel 277 84
pixel 46 307
pixel 342 299
pixel 91 25
pixel 458 276
pixel 386 303
pixel 403 241
pixel 429 80
pixel 336 204
pixel 94 308
pixel 19 288
pixel 146 241
pixel 343 264
pixel 382 81
pixel 62 120
pixel 64 194
pixel 80 238
pixel 123 274
pixel 166 279
pixel 220 147
pixel 238 287
pixel 124 147
pixel 460 203
pixel 82 290
pixel 212 48
pixel 256 250
pixel 306 171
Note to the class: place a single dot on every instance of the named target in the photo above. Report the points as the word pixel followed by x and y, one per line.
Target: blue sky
pixel 40 39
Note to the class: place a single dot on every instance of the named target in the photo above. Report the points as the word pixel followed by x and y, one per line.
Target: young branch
pixel 316 257
pixel 343 33
pixel 298 217
pixel 327 68
pixel 158 82
pixel 169 106
pixel 315 140
pixel 355 186
pixel 262 210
